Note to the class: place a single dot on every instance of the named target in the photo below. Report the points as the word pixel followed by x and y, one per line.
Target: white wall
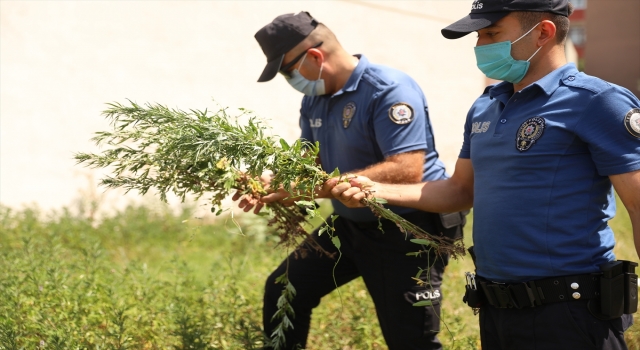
pixel 61 61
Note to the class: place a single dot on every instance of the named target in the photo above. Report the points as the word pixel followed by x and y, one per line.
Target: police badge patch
pixel 348 112
pixel 632 122
pixel 529 132
pixel 401 113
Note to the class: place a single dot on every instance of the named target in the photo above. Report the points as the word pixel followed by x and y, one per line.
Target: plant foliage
pixel 202 153
pixel 199 152
pixel 142 279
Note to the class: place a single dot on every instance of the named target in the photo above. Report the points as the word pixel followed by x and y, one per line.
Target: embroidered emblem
pixel 348 112
pixel 401 113
pixel 632 122
pixel 477 5
pixel 529 132
pixel 315 123
pixel 478 128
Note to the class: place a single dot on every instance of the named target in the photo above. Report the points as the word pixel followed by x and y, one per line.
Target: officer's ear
pixel 316 56
pixel 547 32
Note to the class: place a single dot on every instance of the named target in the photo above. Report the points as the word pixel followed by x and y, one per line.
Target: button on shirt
pixel 541 160
pixel 354 128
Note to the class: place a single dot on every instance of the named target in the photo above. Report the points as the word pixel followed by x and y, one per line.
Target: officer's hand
pixel 280 195
pixel 324 190
pixel 248 202
pixel 352 190
pixel 361 182
pixel 348 195
pixel 276 195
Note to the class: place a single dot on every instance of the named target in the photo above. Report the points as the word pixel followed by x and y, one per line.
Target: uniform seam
pixel 579 123
pixel 373 80
pixel 597 87
pixel 554 186
pixel 548 213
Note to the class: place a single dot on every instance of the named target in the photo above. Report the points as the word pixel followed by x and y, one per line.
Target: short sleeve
pixel 606 128
pixel 400 120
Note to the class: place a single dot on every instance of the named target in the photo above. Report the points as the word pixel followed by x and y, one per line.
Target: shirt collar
pixel 502 88
pixel 354 79
pixel 549 83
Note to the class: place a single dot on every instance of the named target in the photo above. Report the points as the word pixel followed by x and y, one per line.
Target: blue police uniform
pixel 379 112
pixel 356 128
pixel 542 196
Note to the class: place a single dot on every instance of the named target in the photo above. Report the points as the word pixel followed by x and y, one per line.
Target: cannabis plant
pixel 203 153
pixel 212 153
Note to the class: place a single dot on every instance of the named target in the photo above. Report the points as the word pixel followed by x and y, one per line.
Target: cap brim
pixel 471 23
pixel 271 69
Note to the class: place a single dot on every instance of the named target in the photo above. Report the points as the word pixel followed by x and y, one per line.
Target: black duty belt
pixel 539 292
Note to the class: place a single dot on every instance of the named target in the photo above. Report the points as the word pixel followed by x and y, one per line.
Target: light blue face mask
pixel 304 85
pixel 496 62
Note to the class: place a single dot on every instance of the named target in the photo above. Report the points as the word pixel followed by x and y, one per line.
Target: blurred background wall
pixel 61 61
pixel 612 42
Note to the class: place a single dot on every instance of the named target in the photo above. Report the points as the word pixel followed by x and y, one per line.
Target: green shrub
pixel 144 278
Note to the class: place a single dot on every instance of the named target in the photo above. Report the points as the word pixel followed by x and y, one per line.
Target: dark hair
pixel 529 19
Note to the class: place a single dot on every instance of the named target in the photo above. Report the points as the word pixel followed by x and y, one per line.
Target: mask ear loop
pixel 320 74
pixel 534 54
pixel 302 60
pixel 525 34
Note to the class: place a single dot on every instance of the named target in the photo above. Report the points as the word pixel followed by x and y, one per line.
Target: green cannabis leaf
pixel 207 153
pixel 202 153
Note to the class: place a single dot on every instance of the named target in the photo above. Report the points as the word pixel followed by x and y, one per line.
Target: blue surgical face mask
pixel 496 62
pixel 304 85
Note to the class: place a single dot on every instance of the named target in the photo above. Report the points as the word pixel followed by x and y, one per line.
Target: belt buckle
pixel 534 294
pixel 499 295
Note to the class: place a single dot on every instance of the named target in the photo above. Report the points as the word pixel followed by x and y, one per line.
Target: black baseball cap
pixel 486 12
pixel 278 37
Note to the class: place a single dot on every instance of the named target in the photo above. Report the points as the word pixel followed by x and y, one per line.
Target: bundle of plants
pixel 204 153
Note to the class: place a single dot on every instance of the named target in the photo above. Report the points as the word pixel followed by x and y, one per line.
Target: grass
pixel 143 278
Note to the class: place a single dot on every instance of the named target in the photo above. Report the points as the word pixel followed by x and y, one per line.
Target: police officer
pixel 541 151
pixel 371 120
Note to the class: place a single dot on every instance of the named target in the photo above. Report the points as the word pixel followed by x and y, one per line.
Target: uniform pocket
pixel 590 329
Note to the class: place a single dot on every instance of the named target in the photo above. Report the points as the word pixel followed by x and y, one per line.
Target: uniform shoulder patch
pixel 529 132
pixel 401 113
pixel 632 122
